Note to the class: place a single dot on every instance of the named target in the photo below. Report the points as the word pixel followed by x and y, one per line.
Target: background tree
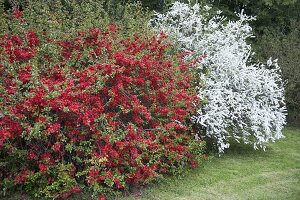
pixel 277 34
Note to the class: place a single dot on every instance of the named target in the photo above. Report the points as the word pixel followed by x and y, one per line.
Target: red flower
pixel 93 173
pixel 112 28
pixel 53 128
pixel 76 189
pixel 194 163
pixel 101 197
pixel 32 38
pixel 56 147
pixel 21 177
pixel 118 183
pixel 32 156
pixel 43 168
pixel 101 178
pixel 23 54
pixel 16 39
pixel 4 134
pixel 25 74
pixel 17 13
pixel 109 174
pixel 46 156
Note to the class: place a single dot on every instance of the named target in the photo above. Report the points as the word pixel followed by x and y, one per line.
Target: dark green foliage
pixel 275 14
pixel 277 35
pixel 287 49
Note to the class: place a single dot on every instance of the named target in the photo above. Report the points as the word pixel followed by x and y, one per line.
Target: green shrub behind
pixel 287 49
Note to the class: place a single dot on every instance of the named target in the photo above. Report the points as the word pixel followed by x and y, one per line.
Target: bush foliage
pixel 95 108
pixel 287 49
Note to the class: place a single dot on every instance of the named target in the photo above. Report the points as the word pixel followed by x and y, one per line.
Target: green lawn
pixel 241 173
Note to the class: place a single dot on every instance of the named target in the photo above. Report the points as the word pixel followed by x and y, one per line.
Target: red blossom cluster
pixel 116 110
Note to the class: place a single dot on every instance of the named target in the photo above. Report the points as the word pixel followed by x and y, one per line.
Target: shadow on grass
pixel 246 150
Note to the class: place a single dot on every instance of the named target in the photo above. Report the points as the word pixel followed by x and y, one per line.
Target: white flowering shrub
pixel 245 99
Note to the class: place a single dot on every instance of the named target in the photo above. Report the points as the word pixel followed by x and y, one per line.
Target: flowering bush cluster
pixel 245 99
pixel 97 110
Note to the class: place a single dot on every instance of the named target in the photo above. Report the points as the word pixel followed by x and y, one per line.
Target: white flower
pixel 245 99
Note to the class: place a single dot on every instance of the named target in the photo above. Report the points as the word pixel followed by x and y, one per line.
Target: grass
pixel 241 173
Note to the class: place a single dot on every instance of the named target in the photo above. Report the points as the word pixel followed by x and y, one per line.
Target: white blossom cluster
pixel 245 99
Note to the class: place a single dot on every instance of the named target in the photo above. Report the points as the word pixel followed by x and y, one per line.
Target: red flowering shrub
pixel 96 111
